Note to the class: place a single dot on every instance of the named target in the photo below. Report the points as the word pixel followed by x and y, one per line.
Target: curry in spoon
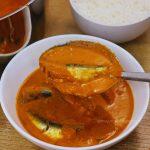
pixel 81 68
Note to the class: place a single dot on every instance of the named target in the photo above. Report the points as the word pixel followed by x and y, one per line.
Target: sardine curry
pixel 76 97
pixel 12 33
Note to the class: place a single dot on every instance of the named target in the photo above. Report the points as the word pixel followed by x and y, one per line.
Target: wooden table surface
pixel 57 19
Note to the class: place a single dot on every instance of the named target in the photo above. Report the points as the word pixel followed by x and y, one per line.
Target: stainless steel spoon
pixel 136 76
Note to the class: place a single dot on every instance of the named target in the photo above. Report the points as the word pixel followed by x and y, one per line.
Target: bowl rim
pixel 48 145
pixel 104 25
pixel 27 15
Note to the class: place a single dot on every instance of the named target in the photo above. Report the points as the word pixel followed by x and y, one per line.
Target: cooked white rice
pixel 113 12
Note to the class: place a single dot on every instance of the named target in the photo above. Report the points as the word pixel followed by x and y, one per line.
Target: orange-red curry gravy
pixel 12 33
pixel 9 6
pixel 70 120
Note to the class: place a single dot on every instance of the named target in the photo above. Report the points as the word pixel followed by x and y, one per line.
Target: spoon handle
pixel 136 76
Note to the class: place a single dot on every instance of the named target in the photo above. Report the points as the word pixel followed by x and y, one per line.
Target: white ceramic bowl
pixel 28 30
pixel 117 34
pixel 15 73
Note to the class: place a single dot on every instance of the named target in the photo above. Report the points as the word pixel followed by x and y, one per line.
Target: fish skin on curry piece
pixel 35 93
pixel 52 130
pixel 84 73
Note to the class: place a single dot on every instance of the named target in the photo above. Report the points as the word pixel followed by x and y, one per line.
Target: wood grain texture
pixel 58 19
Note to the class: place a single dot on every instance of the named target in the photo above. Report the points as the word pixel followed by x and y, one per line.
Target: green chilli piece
pixel 85 73
pixel 50 129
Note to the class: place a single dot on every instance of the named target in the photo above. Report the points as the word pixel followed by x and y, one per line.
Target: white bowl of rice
pixel 115 20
